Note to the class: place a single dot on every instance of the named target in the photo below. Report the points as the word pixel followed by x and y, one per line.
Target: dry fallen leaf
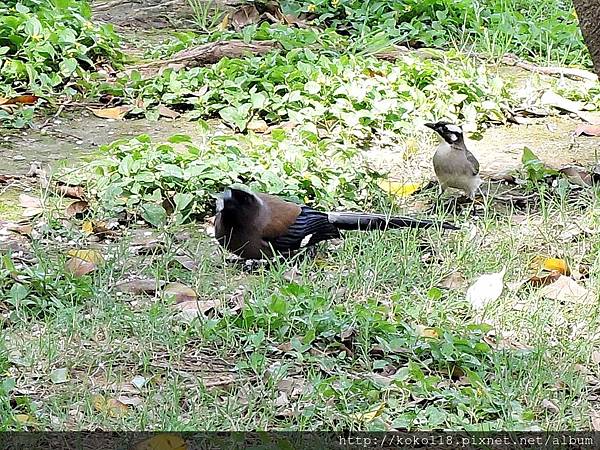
pixel 180 292
pixel 110 406
pixel 19 100
pixel 75 208
pixel 90 255
pixel 186 262
pixel 136 287
pixel 577 176
pixel 455 280
pixel 587 129
pixel 486 289
pixel 76 192
pixel 33 205
pixel 87 227
pixel 134 400
pixel 18 228
pixel 244 16
pixel 163 111
pixel 595 418
pixel 596 356
pixel 551 98
pixel 117 112
pixel 190 309
pixel 79 267
pixel 258 126
pixel 399 189
pixel 550 406
pixel 566 289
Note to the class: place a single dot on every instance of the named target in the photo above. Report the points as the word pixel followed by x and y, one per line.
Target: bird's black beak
pixel 431 125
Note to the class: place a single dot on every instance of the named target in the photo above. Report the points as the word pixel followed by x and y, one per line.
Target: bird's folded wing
pixel 309 228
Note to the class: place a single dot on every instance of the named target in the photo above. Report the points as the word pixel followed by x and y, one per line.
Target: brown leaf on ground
pixel 20 100
pixel 550 406
pixel 186 262
pixel 587 129
pixel 27 201
pixel 566 289
pixel 163 111
pixel 190 309
pixel 130 401
pixel 76 192
pixel 243 16
pixel 578 176
pixel 544 279
pixel 116 112
pixel 141 286
pixel 110 406
pixel 180 292
pixel 455 280
pixel 79 267
pixel 596 356
pixel 595 418
pixel 75 208
pixel 23 229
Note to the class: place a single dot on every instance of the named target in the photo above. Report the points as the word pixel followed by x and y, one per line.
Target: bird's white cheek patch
pixel 305 240
pixel 453 129
pixel 453 137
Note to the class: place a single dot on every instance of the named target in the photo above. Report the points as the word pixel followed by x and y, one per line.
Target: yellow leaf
pixel 117 112
pixel 24 419
pixel 110 406
pixel 89 255
pixel 87 227
pixel 370 415
pixel 399 189
pixel 162 442
pixel 560 265
pixel 428 332
pixel 224 23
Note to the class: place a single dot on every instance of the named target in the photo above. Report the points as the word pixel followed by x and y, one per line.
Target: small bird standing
pixel 255 226
pixel 454 165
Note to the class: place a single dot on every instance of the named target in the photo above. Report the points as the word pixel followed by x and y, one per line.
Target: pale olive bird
pixel 454 165
pixel 256 226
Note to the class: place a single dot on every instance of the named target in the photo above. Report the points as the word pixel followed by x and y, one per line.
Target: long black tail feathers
pixel 366 222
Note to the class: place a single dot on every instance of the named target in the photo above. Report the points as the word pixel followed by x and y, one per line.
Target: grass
pixel 340 346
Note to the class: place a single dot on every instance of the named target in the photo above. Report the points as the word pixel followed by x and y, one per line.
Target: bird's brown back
pixel 280 215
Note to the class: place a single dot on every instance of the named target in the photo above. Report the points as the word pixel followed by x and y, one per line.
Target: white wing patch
pixel 220 204
pixel 305 240
pixel 453 128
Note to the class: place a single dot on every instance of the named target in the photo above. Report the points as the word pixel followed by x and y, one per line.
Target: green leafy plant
pixel 535 169
pixel 48 46
pixel 151 180
pixel 357 93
